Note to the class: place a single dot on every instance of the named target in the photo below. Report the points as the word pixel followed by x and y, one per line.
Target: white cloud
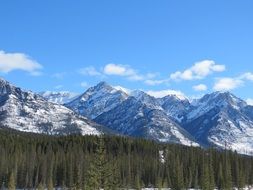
pixel 18 61
pixel 122 70
pixel 218 68
pixel 247 76
pixel 198 71
pixel 126 71
pixel 163 93
pixel 59 75
pixel 152 82
pixel 229 83
pixel 135 77
pixel 58 87
pixel 185 75
pixel 225 84
pixel 152 75
pixel 84 84
pixel 249 101
pixel 200 87
pixel 90 71
pixel 36 73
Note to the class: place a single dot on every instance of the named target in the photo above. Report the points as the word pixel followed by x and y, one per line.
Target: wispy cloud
pixel 153 82
pixel 59 75
pixel 84 84
pixel 226 84
pixel 132 74
pixel 246 76
pixel 122 70
pixel 198 71
pixel 18 61
pixel 231 83
pixel 58 87
pixel 200 87
pixel 90 71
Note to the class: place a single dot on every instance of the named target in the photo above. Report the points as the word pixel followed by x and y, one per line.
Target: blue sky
pixel 193 46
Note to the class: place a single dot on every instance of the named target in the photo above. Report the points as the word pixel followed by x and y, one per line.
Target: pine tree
pixel 196 179
pixel 113 175
pixel 205 180
pixel 241 180
pixel 40 186
pixel 159 183
pixel 220 179
pixel 211 176
pixel 178 182
pixel 137 183
pixel 100 172
pixel 228 175
pixel 12 182
pixel 50 185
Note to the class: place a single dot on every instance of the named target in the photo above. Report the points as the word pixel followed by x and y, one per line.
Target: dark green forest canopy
pixel 91 162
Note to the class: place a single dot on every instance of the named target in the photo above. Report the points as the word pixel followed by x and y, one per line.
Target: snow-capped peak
pixel 5 86
pixel 60 97
pixel 146 99
pixel 97 100
pixel 222 99
pixel 215 99
pixel 163 93
pixel 125 90
pixel 30 112
pixel 249 101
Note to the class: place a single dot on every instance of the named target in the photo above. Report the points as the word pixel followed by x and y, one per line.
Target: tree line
pixel 112 162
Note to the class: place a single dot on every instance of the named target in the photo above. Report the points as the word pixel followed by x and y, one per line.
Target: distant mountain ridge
pixel 223 120
pixel 96 100
pixel 30 112
pixel 219 119
pixel 61 97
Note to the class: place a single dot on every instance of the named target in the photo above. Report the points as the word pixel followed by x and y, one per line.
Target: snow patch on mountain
pixel 216 99
pixel 163 93
pixel 29 112
pixel 135 118
pixel 97 100
pixel 220 119
pixel 125 90
pixel 61 97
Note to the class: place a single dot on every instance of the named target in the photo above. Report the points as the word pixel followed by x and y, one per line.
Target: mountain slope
pixel 223 120
pixel 134 118
pixel 26 111
pixel 96 100
pixel 146 99
pixel 175 107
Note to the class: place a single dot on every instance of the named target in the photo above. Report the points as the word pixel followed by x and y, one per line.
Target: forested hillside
pixel 109 162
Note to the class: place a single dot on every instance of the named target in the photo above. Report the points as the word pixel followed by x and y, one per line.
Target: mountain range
pixel 30 112
pixel 219 119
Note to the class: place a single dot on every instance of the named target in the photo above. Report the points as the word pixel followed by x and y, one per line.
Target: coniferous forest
pixel 110 162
